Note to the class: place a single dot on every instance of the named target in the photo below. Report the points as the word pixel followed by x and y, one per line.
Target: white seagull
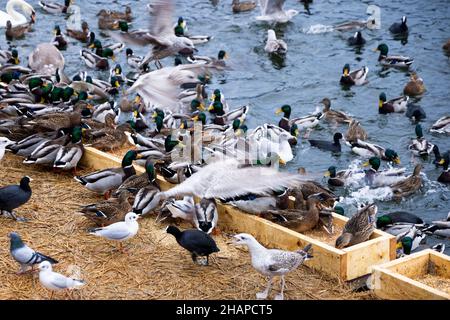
pixel 56 281
pixel 272 262
pixel 274 45
pixel 119 231
pixel 272 11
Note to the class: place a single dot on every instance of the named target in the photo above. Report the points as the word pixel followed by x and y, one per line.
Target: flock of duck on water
pixel 48 118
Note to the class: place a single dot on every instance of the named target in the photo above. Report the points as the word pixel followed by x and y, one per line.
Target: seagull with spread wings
pixel 224 179
pixel 272 11
pixel 161 35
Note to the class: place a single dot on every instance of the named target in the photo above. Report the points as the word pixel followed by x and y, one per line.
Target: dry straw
pixel 155 267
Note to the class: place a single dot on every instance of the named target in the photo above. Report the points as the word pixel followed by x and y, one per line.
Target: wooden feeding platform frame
pixel 346 264
pixel 400 279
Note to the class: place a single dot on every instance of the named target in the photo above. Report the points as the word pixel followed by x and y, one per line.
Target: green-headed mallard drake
pixel 333 115
pixel 415 86
pixel 367 150
pixel 394 105
pixel 284 123
pixel 375 178
pixel 16 32
pixel 445 175
pixel 117 15
pixel 334 146
pixel 221 118
pixel 147 200
pixel 94 43
pixel 133 60
pixel 46 152
pixel 108 211
pixel 242 6
pixel 399 27
pixel 94 61
pixel 135 183
pixel 355 131
pixel 11 57
pixel 442 125
pixel 206 215
pixel 359 228
pixel 59 41
pixel 397 217
pixel 81 35
pixel 55 7
pixel 306 122
pixel 419 146
pixel 69 155
pixel 409 185
pixel 103 181
pixel 392 61
pixel 295 219
pixel 337 178
pixel 357 77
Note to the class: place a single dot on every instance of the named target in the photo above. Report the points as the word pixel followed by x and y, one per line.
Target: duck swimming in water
pixel 334 146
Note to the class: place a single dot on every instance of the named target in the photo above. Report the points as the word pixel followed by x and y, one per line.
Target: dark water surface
pixel 310 72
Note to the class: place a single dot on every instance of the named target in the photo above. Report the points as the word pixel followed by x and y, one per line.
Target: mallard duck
pixel 59 41
pixel 446 48
pixel 295 219
pixel 333 115
pixel 81 35
pixel 242 6
pixel 419 146
pixel 284 123
pixel 359 228
pixel 206 215
pixel 307 188
pixel 94 43
pixel 45 153
pixel 306 122
pixel 334 146
pixel 108 211
pixel 394 105
pixel 11 57
pixel 183 209
pixel 367 150
pixel 54 7
pixel 399 27
pixel 46 59
pixel 442 125
pixel 415 112
pixel 105 180
pixel 26 146
pixel 254 204
pixel 147 200
pixel 439 159
pixel 112 138
pixel 117 15
pixel 356 40
pixel 69 155
pixel 445 175
pixel 133 60
pixel 101 111
pixel 397 217
pixel 357 77
pixel 409 185
pixel 221 118
pixel 415 86
pixel 135 183
pixel 337 178
pixel 17 32
pixel 274 45
pixel 94 61
pixel 355 131
pixel 392 61
pixel 440 228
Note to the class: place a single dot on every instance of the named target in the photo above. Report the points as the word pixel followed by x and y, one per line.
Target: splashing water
pixel 317 29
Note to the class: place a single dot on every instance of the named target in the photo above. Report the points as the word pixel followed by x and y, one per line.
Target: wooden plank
pixel 326 259
pixel 393 286
pixel 412 267
pixel 439 264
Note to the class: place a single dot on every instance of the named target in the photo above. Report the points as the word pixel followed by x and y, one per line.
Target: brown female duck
pixel 355 131
pixel 81 35
pixel 408 186
pixel 415 86
pixel 17 32
pixel 333 115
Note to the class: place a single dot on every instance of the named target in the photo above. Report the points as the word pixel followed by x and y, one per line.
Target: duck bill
pixel 33 17
pixel 282 162
pixel 380 103
pixel 366 164
pixel 201 107
pixel 91 46
pixel 211 108
pixel 397 161
pixel 278 111
pixel 327 174
pixel 195 118
pixel 137 100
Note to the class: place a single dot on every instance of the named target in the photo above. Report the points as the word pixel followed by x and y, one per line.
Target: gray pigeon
pixel 24 255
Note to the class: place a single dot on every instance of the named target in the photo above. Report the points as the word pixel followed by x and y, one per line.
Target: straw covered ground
pixel 155 267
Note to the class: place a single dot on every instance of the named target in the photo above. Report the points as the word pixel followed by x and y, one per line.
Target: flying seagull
pixel 272 11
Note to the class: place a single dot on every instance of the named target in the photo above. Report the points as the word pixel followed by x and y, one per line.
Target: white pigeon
pixel 56 281
pixel 4 142
pixel 272 11
pixel 272 262
pixel 274 45
pixel 119 231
